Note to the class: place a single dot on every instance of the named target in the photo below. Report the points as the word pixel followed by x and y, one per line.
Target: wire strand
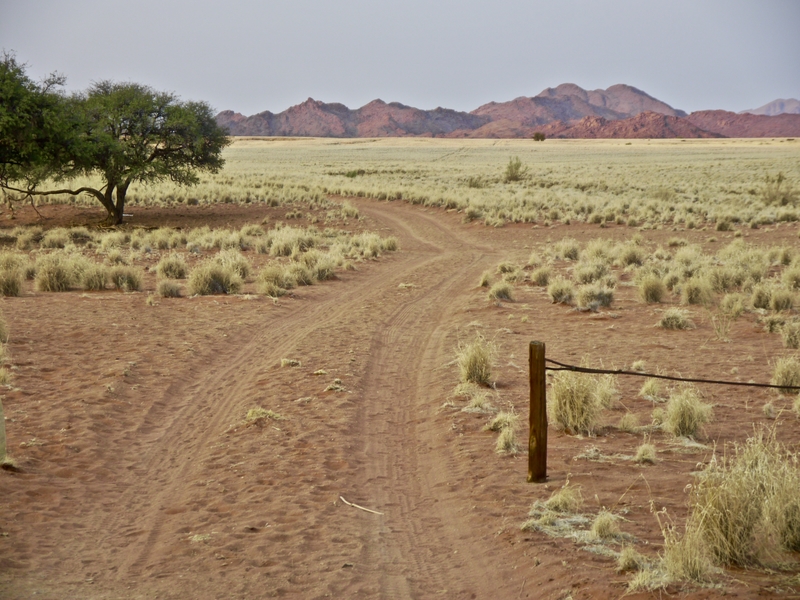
pixel 567 367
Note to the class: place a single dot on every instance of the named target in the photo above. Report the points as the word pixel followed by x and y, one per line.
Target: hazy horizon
pixel 250 57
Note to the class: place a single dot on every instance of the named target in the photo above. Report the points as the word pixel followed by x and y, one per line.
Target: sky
pixel 255 55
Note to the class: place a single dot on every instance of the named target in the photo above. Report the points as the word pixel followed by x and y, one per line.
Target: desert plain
pixel 143 469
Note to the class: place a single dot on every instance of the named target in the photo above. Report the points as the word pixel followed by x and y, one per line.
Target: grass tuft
pixel 475 359
pixel 686 413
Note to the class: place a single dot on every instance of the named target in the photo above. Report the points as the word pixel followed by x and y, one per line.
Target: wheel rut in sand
pixel 389 455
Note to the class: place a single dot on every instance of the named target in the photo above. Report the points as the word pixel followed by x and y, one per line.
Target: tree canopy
pixel 121 132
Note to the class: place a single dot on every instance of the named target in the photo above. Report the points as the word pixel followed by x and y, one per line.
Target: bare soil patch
pixel 141 477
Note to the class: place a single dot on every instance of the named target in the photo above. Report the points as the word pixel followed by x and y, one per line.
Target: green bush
pixel 514 170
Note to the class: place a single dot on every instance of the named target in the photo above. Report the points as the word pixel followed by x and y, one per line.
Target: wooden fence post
pixel 537 440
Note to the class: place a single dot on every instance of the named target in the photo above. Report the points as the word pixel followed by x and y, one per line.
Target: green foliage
pixel 538 136
pixel 122 132
pixel 514 170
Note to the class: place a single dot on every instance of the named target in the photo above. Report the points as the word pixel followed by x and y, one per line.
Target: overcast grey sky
pixel 251 56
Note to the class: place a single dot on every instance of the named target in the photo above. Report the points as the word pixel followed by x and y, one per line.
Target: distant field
pixel 638 182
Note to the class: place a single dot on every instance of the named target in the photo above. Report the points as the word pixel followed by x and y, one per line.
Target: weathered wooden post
pixel 537 440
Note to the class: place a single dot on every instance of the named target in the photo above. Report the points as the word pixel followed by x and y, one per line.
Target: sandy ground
pixel 140 479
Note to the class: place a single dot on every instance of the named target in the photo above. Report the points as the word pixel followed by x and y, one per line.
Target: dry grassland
pixel 404 390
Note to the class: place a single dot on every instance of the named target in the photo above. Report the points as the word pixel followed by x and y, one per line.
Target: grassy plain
pixel 640 182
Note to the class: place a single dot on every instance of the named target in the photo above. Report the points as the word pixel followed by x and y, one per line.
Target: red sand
pixel 139 478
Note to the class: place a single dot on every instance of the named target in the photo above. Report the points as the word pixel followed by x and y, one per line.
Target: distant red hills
pixel 566 111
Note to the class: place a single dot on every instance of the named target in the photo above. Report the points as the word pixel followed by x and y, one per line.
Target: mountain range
pixel 566 111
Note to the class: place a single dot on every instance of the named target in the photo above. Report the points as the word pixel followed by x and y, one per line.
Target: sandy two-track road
pixel 140 479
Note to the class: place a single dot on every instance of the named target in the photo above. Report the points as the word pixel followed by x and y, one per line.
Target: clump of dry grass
pixel 594 296
pixel 486 279
pixel 475 359
pixel 645 454
pixel 234 260
pixel 503 420
pixel 507 441
pixel 697 290
pixel 172 267
pixel 10 282
pixel 745 506
pixel 290 362
pixel 630 559
pixel 567 499
pixel 651 289
pixel 53 273
pixel 128 279
pixel 212 278
pixel 541 276
pixel 675 319
pixel 500 291
pixel 651 390
pixel 561 291
pixel 573 403
pixel 258 415
pixel 686 413
pixel 790 334
pixel 604 526
pixel 168 289
pixel 628 422
pixel 786 373
pixel 94 278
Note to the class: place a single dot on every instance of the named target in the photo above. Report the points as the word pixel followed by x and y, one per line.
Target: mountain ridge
pixel 567 111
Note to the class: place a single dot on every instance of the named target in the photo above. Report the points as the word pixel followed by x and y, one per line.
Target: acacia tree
pixel 39 129
pixel 121 132
pixel 138 134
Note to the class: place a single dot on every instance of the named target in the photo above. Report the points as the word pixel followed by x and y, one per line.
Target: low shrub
pixel 475 359
pixel 676 319
pixel 790 333
pixel 572 404
pixel 561 291
pixel 697 291
pixel 500 291
pixel 686 413
pixel 651 289
pixel 594 296
pixel 786 372
pixel 94 278
pixel 172 267
pixel 53 273
pixel 781 300
pixel 212 278
pixel 127 279
pixel 168 289
pixel 541 276
pixel 10 282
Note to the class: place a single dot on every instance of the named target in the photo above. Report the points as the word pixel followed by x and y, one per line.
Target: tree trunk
pixel 119 209
pixel 113 217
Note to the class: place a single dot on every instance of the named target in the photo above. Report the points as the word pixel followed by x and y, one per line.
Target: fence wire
pixel 566 367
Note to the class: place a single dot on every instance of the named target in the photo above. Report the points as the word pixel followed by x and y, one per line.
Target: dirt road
pixel 141 479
